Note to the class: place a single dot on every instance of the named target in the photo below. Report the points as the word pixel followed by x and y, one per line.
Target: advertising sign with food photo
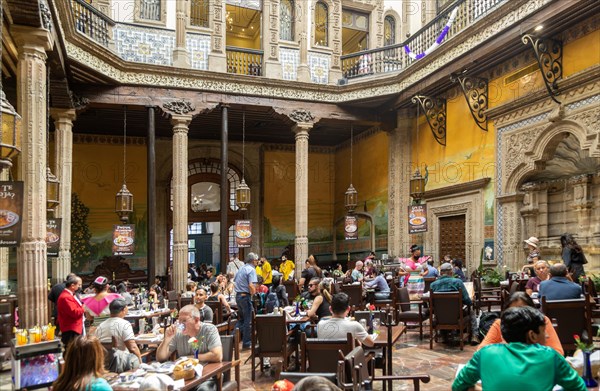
pixel 351 228
pixel 124 240
pixel 417 219
pixel 11 209
pixel 243 233
pixel 53 236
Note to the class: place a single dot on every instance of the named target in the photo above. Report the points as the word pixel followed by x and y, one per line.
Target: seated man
pixel 116 326
pixel 522 361
pixel 206 313
pixel 209 342
pixel 447 283
pixel 558 287
pixel 337 327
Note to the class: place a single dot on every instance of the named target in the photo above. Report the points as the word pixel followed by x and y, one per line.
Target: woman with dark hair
pixel 84 366
pixel 96 307
pixel 280 291
pixel 216 296
pixel 521 299
pixel 572 256
pixel 122 290
pixel 321 296
pixel 458 264
pixel 338 272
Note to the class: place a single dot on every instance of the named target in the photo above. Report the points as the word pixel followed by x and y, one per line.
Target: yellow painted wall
pixel 370 179
pixel 280 190
pixel 581 53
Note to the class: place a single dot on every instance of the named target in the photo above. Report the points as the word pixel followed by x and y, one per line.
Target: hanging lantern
pixel 52 190
pixel 242 195
pixel 124 204
pixel 351 199
pixel 417 186
pixel 10 133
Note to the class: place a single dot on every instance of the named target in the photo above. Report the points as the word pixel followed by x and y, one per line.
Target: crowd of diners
pixel 521 346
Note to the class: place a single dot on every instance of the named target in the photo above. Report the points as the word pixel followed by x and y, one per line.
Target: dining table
pixel 386 338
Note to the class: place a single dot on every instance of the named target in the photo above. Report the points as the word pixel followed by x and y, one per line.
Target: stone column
pixel 301 242
pixel 582 204
pixel 4 259
pixel 217 59
pixel 270 38
pixel 63 123
pixel 510 239
pixel 180 200
pixel 301 25
pixel 32 44
pixel 530 211
pixel 398 179
pixel 335 26
pixel 181 57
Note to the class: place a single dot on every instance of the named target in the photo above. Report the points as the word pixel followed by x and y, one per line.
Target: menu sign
pixel 124 240
pixel 417 219
pixel 243 233
pixel 53 236
pixel 11 209
pixel 351 228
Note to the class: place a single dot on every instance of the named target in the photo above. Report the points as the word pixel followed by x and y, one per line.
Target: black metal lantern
pixel 242 195
pixel 417 186
pixel 10 133
pixel 351 199
pixel 52 190
pixel 124 204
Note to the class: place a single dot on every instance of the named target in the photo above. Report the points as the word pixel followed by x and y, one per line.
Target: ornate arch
pixel 397 28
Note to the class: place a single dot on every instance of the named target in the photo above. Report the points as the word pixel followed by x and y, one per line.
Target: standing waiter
pixel 245 286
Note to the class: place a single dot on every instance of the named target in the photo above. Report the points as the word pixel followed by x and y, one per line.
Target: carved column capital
pixel 181 123
pixel 302 115
pixel 178 106
pixel 63 115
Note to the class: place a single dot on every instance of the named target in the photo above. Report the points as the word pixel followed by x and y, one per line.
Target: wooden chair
pixel 224 326
pixel 486 297
pixel 231 352
pixel 355 373
pixel 183 301
pixel 405 313
pixel 270 338
pixel 292 289
pixel 322 354
pixel 377 352
pixel 108 352
pixel 446 313
pixel 428 281
pixel 354 293
pixel 573 318
pixel 173 299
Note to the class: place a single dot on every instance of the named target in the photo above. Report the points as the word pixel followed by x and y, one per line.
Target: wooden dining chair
pixel 183 301
pixel 354 293
pixel 271 338
pixel 321 355
pixel 486 297
pixel 173 299
pixel 410 311
pixel 446 313
pixel 572 317
pixel 231 352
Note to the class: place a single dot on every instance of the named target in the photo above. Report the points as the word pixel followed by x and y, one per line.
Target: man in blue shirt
pixel 447 283
pixel 558 287
pixel 245 287
pixel 428 269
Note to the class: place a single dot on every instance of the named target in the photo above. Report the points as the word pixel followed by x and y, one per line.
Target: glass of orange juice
pixel 21 337
pixel 50 333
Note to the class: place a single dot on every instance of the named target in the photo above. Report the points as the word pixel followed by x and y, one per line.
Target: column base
pixel 217 62
pixel 181 58
pixel 273 70
pixel 303 73
pixel 32 283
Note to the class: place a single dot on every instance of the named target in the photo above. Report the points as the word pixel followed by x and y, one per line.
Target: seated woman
pixel 321 296
pixel 190 289
pixel 521 299
pixel 382 289
pixel 84 366
pixel 217 296
pixel 458 264
pixel 542 273
pixel 96 307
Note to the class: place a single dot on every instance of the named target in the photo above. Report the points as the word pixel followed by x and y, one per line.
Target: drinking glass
pixel 21 337
pixel 376 325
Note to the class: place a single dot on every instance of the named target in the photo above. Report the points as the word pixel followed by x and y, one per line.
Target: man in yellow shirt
pixel 286 268
pixel 264 270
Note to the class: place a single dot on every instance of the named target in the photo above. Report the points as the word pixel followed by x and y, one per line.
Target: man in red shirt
pixel 70 311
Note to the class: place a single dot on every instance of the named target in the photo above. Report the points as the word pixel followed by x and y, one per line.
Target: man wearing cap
pixel 447 283
pixel 116 326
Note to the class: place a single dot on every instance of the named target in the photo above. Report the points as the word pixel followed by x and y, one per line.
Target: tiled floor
pixel 410 356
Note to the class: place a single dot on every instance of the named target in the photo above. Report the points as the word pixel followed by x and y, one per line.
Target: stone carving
pixel 517 145
pixel 79 102
pixel 590 118
pixel 179 106
pixel 302 115
pixel 46 16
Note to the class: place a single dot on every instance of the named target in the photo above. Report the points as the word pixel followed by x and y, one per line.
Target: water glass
pixel 376 325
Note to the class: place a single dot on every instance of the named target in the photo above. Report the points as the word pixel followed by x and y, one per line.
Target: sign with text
pixel 417 219
pixel 11 210
pixel 124 240
pixel 53 237
pixel 243 233
pixel 351 228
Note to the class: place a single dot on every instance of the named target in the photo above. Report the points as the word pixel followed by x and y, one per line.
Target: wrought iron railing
pixel 244 61
pixel 394 58
pixel 91 22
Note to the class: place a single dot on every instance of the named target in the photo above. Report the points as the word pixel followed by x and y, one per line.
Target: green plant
pixel 596 281
pixel 492 277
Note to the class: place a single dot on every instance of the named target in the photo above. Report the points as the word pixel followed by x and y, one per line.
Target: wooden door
pixel 452 237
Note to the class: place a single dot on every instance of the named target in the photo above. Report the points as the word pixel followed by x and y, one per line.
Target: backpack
pixel 485 323
pixel 259 299
pixel 271 301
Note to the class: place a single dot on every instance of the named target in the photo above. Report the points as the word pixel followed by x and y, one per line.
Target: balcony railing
pixel 91 22
pixel 394 58
pixel 244 61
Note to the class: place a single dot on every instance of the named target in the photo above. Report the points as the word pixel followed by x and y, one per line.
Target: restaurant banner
pixel 53 237
pixel 351 228
pixel 11 210
pixel 417 218
pixel 243 233
pixel 124 240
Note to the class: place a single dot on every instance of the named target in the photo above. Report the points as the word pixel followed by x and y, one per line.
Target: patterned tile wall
pixel 318 64
pixel 198 46
pixel 145 45
pixel 289 59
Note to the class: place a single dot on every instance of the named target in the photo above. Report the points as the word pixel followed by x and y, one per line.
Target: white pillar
pixel 301 242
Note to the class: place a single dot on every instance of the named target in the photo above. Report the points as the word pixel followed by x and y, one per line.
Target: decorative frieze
pixel 179 106
pixel 302 115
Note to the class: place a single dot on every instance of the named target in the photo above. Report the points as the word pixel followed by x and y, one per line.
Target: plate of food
pixel 243 233
pixel 417 220
pixel 51 237
pixel 351 228
pixel 123 241
pixel 8 218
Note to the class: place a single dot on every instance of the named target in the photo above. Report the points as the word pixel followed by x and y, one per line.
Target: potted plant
pixel 491 278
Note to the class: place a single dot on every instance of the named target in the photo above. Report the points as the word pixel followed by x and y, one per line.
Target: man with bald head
pixel 357 274
pixel 558 287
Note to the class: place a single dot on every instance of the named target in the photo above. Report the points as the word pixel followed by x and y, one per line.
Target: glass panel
pixel 192 256
pixel 150 9
pixel 199 13
pixel 389 31
pixel 321 24
pixel 205 197
pixel 286 17
pixel 191 243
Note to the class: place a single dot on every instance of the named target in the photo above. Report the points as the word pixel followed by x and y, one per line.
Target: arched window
pixel 321 24
pixel 389 30
pixel 286 18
